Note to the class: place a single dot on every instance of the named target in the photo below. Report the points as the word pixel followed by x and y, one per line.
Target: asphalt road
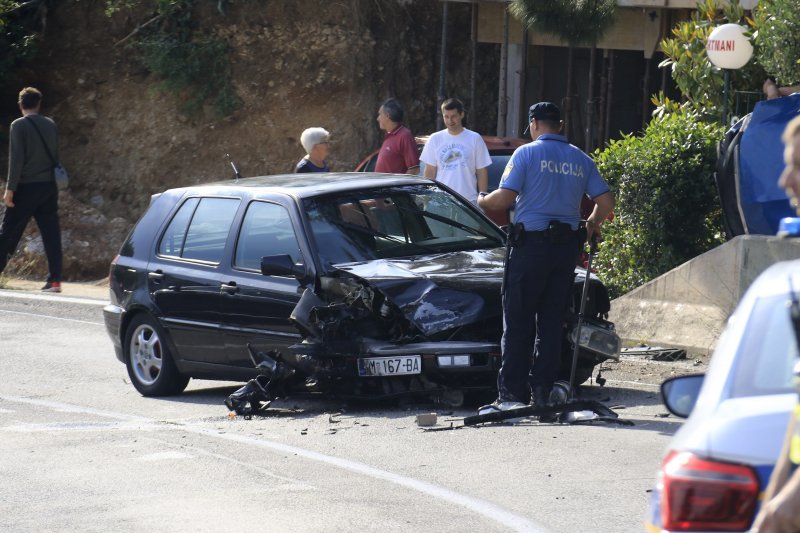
pixel 80 449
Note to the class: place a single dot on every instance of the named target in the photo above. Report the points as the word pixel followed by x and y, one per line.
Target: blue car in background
pixel 719 463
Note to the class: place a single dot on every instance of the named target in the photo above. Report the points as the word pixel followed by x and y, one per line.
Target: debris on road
pixel 426 419
pixel 603 413
pixel 655 353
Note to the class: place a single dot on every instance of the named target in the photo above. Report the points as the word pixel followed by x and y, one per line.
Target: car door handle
pixel 229 287
pixel 156 276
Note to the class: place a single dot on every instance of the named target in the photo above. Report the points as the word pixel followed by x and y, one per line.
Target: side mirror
pixel 680 393
pixel 282 265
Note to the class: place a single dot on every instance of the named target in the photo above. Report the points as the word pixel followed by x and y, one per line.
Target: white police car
pixel 719 463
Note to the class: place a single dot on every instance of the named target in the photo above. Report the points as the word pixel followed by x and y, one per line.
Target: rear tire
pixel 149 361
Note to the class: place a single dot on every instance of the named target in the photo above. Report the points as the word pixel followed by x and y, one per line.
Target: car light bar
pixel 453 360
pixel 705 495
pixel 596 339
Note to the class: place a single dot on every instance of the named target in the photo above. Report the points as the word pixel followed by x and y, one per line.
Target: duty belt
pixel 557 232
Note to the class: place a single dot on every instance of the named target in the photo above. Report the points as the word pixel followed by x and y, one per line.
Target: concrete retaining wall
pixel 687 307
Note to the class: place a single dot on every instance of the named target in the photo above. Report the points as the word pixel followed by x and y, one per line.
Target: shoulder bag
pixel 59 172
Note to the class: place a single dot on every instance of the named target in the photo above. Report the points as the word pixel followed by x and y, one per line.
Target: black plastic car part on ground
pixel 361 285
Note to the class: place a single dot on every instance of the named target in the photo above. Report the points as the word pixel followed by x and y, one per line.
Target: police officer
pixel 546 179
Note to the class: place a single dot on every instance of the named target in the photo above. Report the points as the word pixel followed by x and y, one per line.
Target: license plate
pixel 401 365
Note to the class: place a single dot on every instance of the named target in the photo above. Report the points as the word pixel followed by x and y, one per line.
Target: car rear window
pixel 199 230
pixel 768 351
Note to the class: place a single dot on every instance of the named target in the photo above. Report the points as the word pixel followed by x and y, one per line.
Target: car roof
pixel 305 185
pixel 493 143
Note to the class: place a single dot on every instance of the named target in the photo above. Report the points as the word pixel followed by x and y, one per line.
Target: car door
pixel 184 276
pixel 256 307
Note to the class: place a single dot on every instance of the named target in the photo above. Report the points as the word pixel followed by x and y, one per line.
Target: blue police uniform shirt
pixel 551 176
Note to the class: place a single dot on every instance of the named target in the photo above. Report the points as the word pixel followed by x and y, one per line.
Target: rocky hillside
pixel 294 64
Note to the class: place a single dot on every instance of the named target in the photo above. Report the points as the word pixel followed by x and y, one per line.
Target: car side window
pixel 172 241
pixel 199 230
pixel 267 229
pixel 768 350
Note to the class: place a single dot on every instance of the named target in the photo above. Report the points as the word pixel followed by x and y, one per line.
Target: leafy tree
pixel 777 39
pixel 700 82
pixel 576 22
pixel 667 208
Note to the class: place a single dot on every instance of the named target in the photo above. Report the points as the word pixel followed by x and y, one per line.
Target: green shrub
pixel 198 70
pixel 777 39
pixel 20 23
pixel 667 208
pixel 171 44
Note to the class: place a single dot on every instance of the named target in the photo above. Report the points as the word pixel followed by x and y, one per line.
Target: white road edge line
pixel 51 297
pixel 39 315
pixel 481 507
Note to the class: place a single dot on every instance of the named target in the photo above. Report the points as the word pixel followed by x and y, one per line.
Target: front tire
pixel 149 361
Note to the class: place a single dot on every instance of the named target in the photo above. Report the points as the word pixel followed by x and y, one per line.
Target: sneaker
pixel 499 405
pixel 52 286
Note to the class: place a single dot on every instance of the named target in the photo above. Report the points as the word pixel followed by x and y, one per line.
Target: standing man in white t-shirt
pixel 457 156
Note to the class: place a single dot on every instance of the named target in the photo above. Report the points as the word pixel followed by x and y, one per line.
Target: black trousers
pixel 538 284
pixel 40 202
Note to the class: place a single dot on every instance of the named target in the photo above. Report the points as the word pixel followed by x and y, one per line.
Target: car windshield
pixel 394 222
pixel 768 351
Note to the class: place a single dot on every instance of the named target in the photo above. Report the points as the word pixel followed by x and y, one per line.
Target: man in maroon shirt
pixel 398 153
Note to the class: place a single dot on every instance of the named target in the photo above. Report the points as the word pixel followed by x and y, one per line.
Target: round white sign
pixel 728 47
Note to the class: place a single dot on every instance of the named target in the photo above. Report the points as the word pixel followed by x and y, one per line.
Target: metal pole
pixel 442 66
pixel 589 129
pixel 646 91
pixel 609 95
pixel 473 76
pixel 502 103
pixel 522 117
pixel 726 89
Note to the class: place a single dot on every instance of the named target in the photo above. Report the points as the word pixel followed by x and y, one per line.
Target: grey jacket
pixel 28 161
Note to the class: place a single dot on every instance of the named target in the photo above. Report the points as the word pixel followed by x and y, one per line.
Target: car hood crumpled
pixel 438 292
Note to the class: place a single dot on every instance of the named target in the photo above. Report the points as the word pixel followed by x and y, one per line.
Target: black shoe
pixel 541 398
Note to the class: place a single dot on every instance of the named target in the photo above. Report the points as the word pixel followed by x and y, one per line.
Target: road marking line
pixel 51 298
pixel 481 507
pixel 53 317
pixel 291 483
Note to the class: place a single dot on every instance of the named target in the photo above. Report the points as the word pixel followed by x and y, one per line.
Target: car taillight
pixel 111 267
pixel 699 494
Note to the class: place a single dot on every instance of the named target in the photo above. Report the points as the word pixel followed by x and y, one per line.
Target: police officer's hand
pixel 8 198
pixel 592 231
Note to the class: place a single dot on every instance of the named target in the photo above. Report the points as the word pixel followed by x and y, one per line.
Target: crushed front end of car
pixel 398 327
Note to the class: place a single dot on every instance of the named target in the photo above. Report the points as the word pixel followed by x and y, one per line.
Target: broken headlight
pixel 597 339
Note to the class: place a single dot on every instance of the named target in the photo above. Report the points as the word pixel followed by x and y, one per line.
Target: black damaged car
pixel 354 285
